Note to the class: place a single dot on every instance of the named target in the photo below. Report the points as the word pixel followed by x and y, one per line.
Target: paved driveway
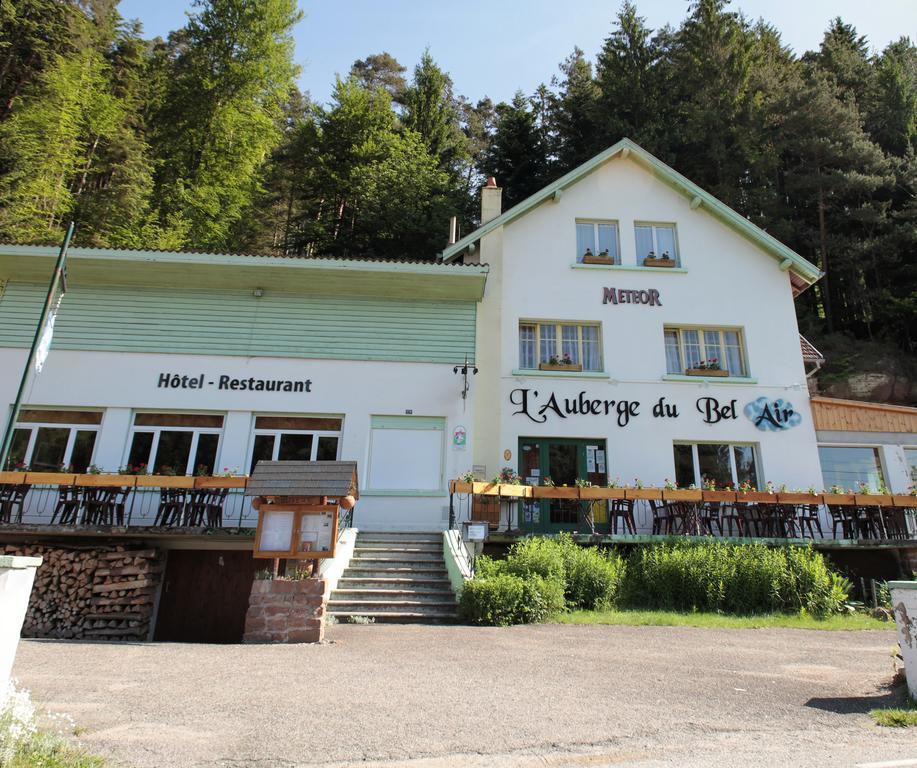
pixel 461 696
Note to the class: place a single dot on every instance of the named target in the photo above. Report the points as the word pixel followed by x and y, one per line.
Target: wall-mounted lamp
pixel 463 369
pixel 258 293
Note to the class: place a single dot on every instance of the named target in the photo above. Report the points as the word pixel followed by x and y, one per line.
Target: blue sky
pixel 493 47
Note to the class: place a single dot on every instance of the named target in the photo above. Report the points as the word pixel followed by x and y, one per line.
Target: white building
pixel 682 372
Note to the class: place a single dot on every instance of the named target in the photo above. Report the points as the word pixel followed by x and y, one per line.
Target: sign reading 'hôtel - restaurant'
pixel 224 382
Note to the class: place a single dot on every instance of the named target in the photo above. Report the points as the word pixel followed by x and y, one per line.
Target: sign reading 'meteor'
pixel 649 296
pixel 251 384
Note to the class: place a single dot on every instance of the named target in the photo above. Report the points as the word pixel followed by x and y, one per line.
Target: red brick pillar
pixel 281 611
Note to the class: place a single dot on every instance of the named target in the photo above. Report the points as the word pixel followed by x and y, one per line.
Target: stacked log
pixel 93 593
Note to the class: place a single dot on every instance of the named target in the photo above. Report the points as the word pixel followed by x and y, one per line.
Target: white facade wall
pixel 728 282
pixel 123 383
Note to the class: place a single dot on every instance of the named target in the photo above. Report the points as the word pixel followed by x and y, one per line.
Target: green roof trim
pixel 805 269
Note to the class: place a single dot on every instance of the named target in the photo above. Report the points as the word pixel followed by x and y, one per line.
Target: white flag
pixel 44 343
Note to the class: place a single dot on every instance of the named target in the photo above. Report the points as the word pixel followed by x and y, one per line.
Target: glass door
pixel 563 460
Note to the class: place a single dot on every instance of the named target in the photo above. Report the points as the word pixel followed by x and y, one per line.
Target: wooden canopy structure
pixel 297 503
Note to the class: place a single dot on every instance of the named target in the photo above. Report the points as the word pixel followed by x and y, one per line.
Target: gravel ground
pixel 444 697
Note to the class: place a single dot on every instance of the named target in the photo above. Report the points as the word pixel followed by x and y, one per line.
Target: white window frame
pixel 558 341
pixel 595 235
pixel 654 225
pixel 406 422
pixel 158 430
pixel 877 447
pixel 695 458
pixel 701 330
pixel 34 426
pixel 276 433
pixel 905 448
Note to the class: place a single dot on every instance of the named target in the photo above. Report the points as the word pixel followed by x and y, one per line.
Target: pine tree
pixel 712 64
pixel 218 121
pixel 430 109
pixel 628 76
pixel 573 112
pixel 381 70
pixel 517 155
pixel 33 33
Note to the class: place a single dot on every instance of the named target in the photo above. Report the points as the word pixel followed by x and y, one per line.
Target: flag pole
pixel 59 278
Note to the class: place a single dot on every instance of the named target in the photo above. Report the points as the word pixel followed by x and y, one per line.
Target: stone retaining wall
pixel 281 611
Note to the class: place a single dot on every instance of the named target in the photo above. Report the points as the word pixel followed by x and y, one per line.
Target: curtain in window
pixel 570 342
pixel 733 346
pixel 585 238
pixel 644 236
pixel 692 348
pixel 712 351
pixel 548 343
pixel 672 353
pixel 665 242
pixel 608 240
pixel 592 358
pixel 527 346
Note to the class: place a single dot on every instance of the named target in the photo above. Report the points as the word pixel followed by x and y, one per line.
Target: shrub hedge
pixel 545 575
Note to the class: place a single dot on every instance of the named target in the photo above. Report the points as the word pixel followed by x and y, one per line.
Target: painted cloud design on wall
pixel 773 415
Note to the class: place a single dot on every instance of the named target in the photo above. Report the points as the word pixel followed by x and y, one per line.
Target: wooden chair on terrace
pixel 729 514
pixel 676 518
pixel 105 506
pixel 842 517
pixel 708 515
pixel 171 507
pixel 69 503
pixel 870 522
pixel 214 507
pixel 623 508
pixel 196 508
pixel 809 515
pixel 660 516
pixel 12 497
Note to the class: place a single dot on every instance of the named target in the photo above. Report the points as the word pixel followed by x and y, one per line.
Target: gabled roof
pixel 303 478
pixel 809 353
pixel 803 272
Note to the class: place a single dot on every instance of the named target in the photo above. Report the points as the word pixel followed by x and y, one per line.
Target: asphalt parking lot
pixel 437 697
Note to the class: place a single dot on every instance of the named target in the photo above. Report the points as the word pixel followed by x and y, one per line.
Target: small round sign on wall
pixel 507 454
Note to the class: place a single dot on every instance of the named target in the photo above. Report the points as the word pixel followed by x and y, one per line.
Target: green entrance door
pixel 564 460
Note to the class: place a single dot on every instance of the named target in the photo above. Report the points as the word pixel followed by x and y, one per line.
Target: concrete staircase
pixel 398 578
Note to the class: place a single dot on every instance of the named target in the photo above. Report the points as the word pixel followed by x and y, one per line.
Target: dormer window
pixel 656 245
pixel 597 242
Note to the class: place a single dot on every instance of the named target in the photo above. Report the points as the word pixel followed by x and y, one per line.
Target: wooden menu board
pixel 301 531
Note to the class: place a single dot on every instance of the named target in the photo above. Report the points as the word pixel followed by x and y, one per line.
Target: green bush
pixel 538 556
pixel 502 599
pixel 593 578
pixel 732 578
pixel 541 576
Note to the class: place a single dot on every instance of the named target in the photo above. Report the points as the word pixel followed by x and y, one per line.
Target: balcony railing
pixel 124 501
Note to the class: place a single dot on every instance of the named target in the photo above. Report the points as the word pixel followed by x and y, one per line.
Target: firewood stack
pixel 96 593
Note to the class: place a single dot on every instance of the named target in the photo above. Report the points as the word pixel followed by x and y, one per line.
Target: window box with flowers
pixel 664 261
pixel 709 367
pixel 564 363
